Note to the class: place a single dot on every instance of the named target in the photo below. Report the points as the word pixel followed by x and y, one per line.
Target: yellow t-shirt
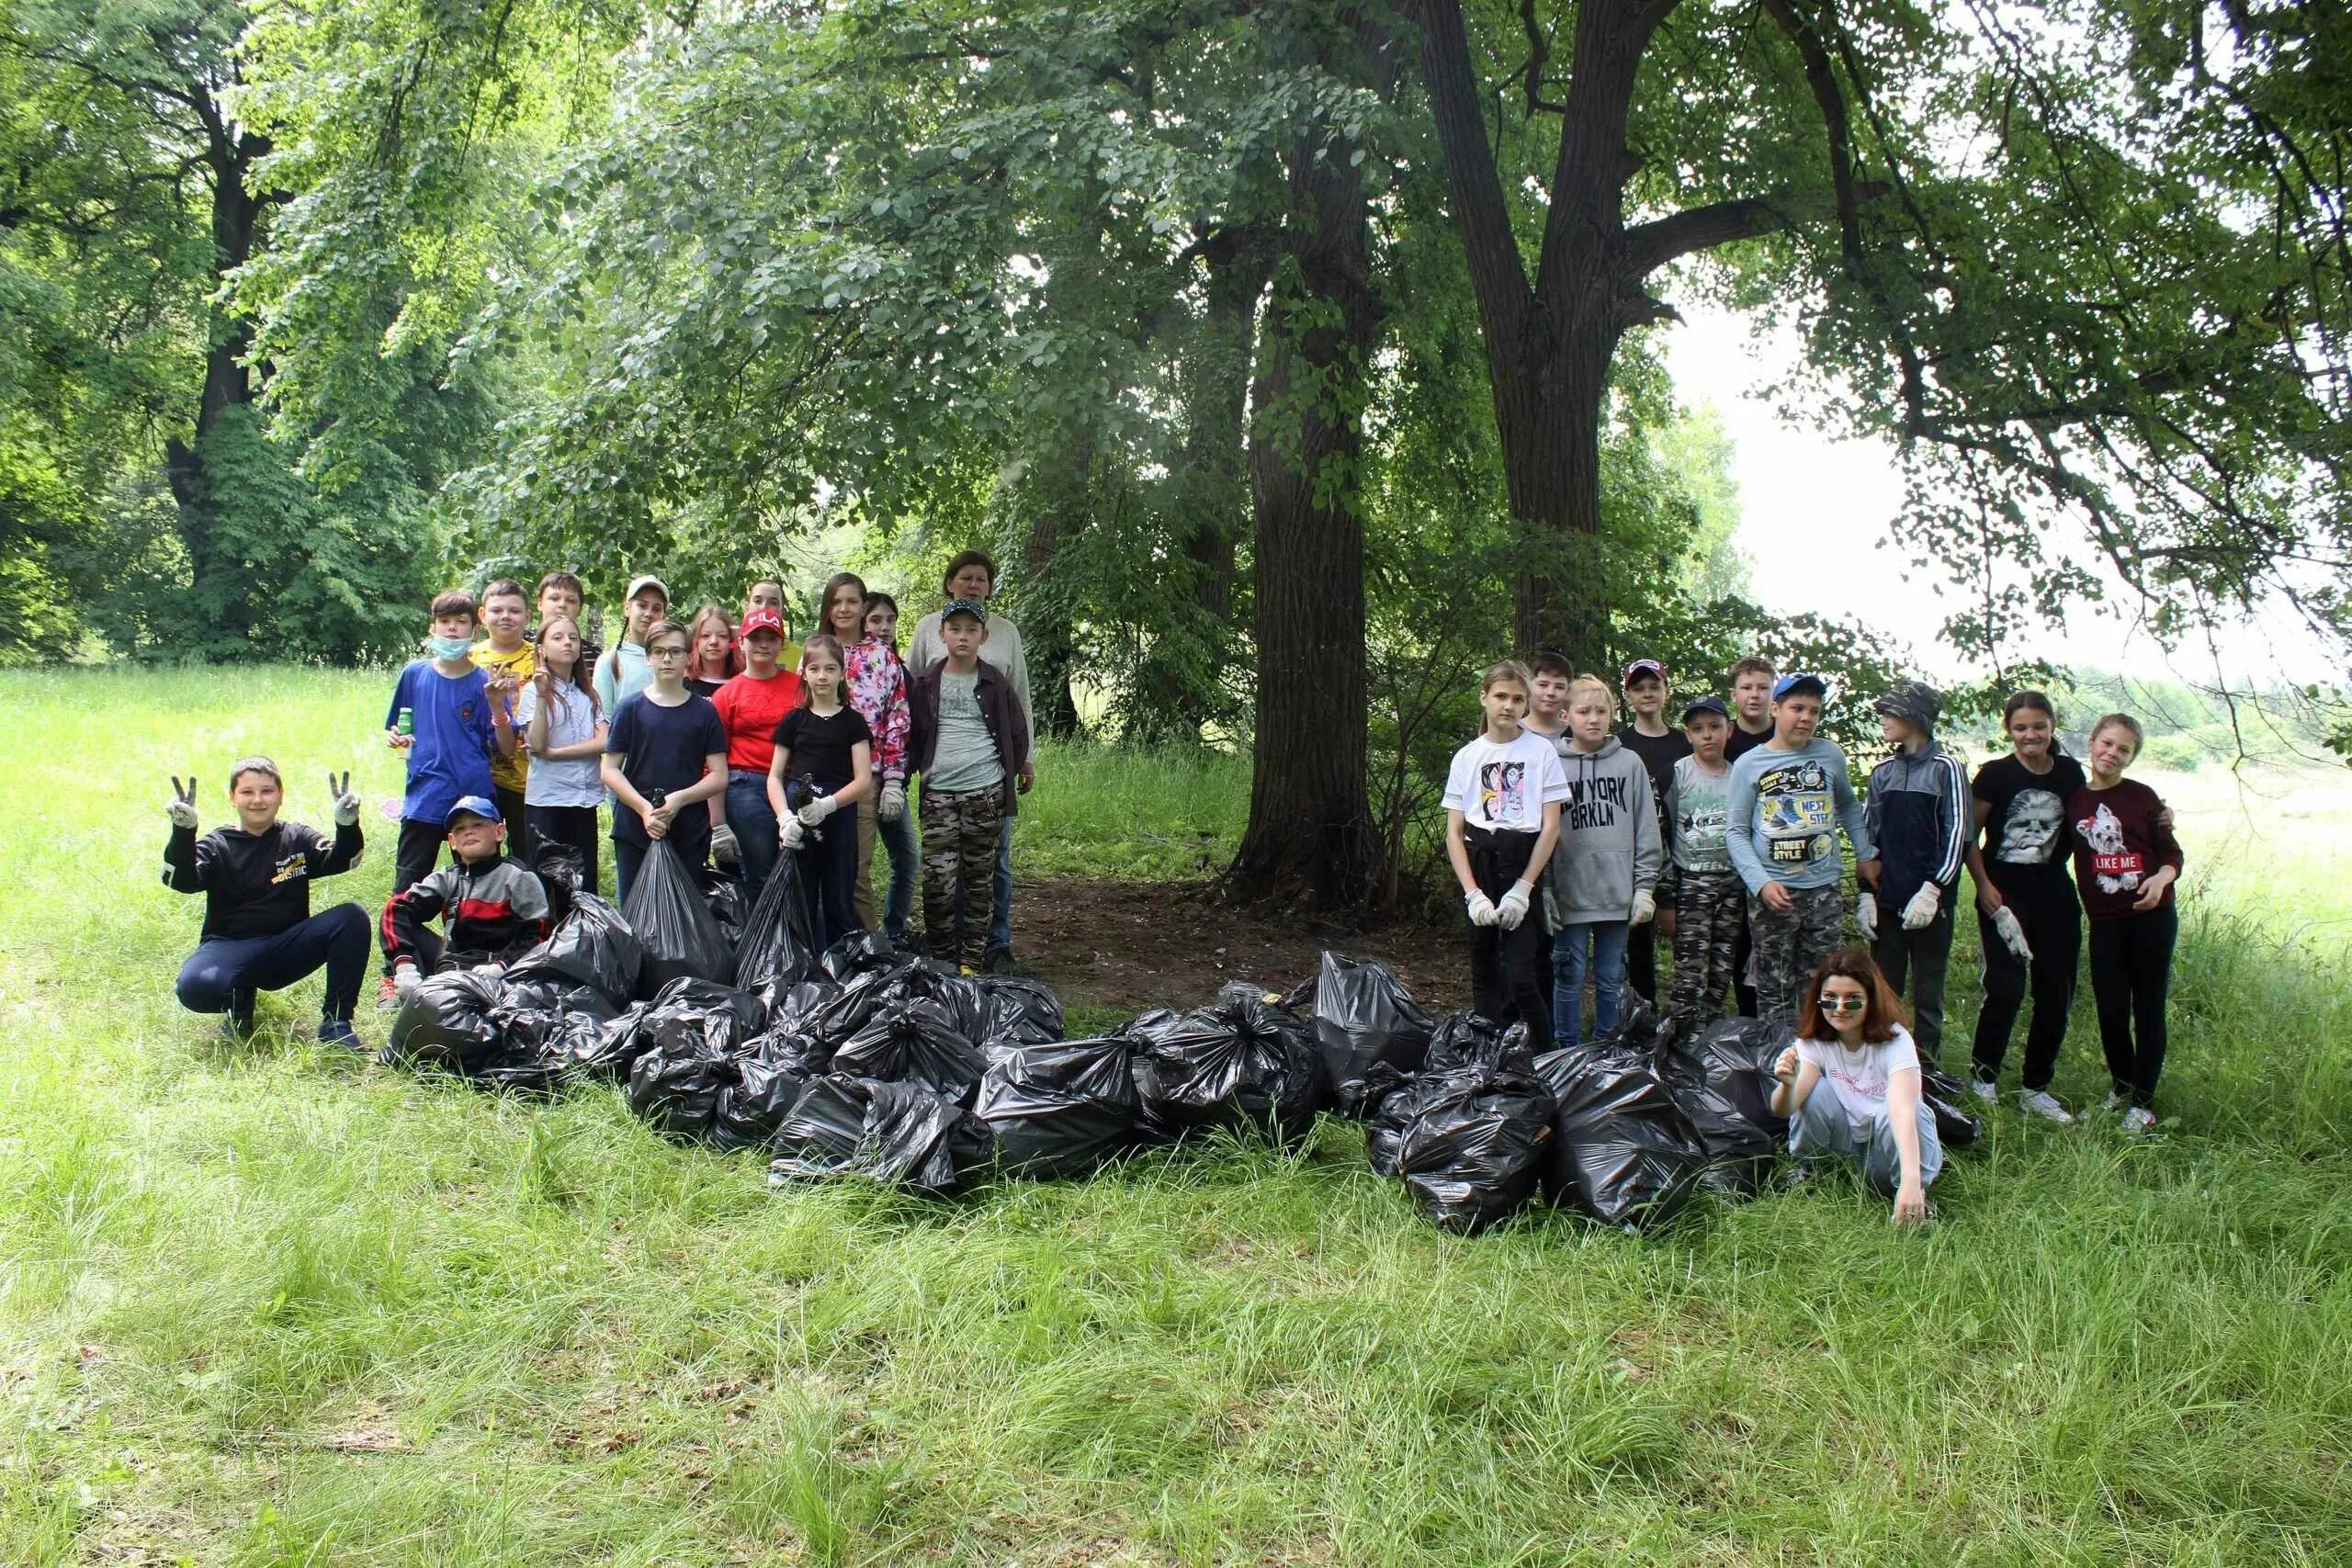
pixel 509 773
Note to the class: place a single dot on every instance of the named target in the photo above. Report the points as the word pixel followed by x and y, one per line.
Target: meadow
pixel 269 1304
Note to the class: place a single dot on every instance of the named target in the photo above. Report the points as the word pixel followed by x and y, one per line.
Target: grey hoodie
pixel 1609 837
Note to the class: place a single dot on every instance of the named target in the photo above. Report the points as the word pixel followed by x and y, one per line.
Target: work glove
pixel 1482 909
pixel 2012 934
pixel 813 815
pixel 1921 911
pixel 1866 915
pixel 789 832
pixel 1513 909
pixel 1645 905
pixel 723 847
pixel 346 804
pixel 182 809
pixel 894 802
pixel 406 979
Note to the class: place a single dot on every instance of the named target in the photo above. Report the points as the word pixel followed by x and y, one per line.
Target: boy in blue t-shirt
pixel 454 728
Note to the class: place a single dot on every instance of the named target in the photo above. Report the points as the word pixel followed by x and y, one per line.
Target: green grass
pixel 273 1306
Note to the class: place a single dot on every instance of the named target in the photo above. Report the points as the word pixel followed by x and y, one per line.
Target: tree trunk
pixel 1046 640
pixel 1310 840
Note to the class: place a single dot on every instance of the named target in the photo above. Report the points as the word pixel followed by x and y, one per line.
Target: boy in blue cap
pixel 1787 801
pixel 495 908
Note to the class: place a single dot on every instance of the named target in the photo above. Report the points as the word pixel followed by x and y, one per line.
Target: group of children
pixel 1571 839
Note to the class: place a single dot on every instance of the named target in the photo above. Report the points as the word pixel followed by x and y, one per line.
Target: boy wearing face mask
pixel 454 731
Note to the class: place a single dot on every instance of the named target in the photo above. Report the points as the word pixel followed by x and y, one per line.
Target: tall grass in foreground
pixel 268 1305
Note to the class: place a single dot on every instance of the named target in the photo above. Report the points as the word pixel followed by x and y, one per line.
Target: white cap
pixel 638 584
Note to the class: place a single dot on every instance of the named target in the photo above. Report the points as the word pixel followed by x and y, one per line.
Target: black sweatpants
pixel 1504 981
pixel 518 822
pixel 2042 898
pixel 1743 957
pixel 223 975
pixel 1913 963
pixel 2131 973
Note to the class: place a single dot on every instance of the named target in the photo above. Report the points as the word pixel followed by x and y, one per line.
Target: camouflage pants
pixel 1709 913
pixel 959 835
pixel 1790 942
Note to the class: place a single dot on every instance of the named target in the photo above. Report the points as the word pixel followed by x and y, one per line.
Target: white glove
pixel 182 809
pixel 894 802
pixel 814 813
pixel 346 804
pixel 1645 905
pixel 2012 934
pixel 406 979
pixel 723 847
pixel 1482 910
pixel 1513 909
pixel 1866 915
pixel 789 832
pixel 1921 911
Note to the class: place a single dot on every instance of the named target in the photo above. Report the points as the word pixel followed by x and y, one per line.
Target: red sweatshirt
pixel 2118 846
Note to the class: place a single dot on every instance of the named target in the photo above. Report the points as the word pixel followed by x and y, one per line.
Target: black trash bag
pixel 1364 1017
pixel 591 946
pixel 754 1106
pixel 561 865
pixel 1391 1100
pixel 797 1006
pixel 669 916
pixel 1622 1152
pixel 448 1021
pixel 546 1027
pixel 849 1007
pixel 774 955
pixel 1473 1148
pixel 1239 1062
pixel 1473 1040
pixel 1721 1078
pixel 1956 1126
pixel 861 952
pixel 729 905
pixel 1061 1107
pixel 1018 1010
pixel 687 1017
pixel 679 1094
pixel 914 1041
pixel 897 1133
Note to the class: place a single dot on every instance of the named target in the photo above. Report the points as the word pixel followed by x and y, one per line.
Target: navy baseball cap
pixel 1710 704
pixel 1797 685
pixel 964 607
pixel 473 805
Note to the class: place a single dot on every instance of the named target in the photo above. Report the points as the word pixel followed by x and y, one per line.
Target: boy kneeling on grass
pixel 496 909
pixel 259 934
pixel 969 741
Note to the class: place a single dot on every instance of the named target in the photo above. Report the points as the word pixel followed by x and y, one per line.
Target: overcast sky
pixel 1815 511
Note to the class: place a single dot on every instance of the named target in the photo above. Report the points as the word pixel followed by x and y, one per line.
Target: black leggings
pixel 2042 898
pixel 1504 981
pixel 2130 971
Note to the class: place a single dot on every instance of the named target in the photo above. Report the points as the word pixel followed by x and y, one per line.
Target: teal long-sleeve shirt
pixel 1785 812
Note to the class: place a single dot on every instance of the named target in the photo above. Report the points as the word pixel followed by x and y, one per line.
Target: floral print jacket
pixel 877 682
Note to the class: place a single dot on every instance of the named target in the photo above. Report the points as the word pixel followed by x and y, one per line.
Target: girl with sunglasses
pixel 1850 1087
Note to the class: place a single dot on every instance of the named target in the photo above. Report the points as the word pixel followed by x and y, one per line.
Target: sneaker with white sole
pixel 2139 1119
pixel 1985 1089
pixel 2038 1102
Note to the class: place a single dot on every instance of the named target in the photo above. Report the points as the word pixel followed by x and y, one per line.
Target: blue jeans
pixel 753 819
pixel 905 864
pixel 1822 1130
pixel 223 975
pixel 1001 917
pixel 1588 947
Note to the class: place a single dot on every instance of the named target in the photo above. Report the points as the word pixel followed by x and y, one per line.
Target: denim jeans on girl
pixel 1588 947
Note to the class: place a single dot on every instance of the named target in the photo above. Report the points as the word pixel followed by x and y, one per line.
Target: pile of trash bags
pixel 725 1028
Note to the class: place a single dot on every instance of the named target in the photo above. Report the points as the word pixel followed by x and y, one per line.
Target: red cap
pixel 1644 667
pixel 761 619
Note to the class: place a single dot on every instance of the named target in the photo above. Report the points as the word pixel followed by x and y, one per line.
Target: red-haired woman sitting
pixel 1850 1084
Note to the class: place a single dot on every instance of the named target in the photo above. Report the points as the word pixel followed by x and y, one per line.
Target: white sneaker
pixel 2139 1119
pixel 1985 1090
pixel 2038 1102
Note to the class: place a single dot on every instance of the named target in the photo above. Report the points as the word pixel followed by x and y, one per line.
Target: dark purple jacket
pixel 1000 709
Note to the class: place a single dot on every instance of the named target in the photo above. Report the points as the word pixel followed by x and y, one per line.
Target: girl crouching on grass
pixel 1502 817
pixel 824 761
pixel 1850 1087
pixel 2126 861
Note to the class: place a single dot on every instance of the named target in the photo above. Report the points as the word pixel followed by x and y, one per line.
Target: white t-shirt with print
pixel 1859 1078
pixel 1504 786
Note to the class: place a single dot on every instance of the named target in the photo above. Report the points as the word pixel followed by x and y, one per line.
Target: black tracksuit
pixel 259 933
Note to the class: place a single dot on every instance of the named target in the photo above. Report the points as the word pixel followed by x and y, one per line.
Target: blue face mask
pixel 450 647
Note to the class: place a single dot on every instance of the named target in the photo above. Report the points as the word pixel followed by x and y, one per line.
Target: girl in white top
pixel 1850 1084
pixel 1502 817
pixel 563 723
